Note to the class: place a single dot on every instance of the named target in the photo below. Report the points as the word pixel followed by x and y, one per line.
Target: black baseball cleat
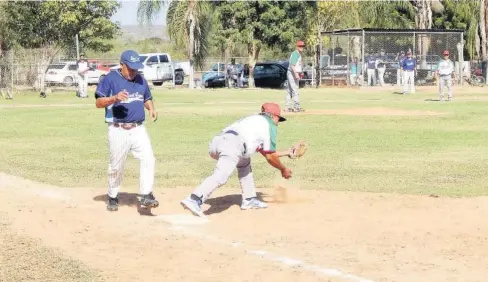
pixel 296 110
pixel 149 201
pixel 113 204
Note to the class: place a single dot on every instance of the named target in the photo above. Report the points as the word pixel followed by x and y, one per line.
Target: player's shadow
pixel 220 204
pixel 432 100
pixel 398 93
pixel 126 199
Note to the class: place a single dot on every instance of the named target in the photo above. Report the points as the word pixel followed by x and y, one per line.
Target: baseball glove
pixel 298 150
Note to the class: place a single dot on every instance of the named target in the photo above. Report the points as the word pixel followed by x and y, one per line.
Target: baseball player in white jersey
pixel 124 94
pixel 233 148
pixel 445 75
pixel 82 68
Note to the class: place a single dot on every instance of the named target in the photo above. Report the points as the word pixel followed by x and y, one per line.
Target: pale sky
pixel 127 14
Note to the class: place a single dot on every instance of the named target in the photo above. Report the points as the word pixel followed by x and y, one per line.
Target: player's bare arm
pixel 149 105
pixel 103 102
pixel 274 160
pixel 283 153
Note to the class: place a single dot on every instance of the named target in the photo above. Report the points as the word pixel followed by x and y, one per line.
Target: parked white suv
pixel 158 68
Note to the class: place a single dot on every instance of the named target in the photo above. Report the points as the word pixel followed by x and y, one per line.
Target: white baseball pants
pixel 445 81
pixel 381 75
pixel 371 77
pixel 399 77
pixel 120 142
pixel 228 150
pixel 83 85
pixel 292 92
pixel 408 81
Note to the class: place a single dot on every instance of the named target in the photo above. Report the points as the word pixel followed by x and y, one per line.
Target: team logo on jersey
pixel 132 97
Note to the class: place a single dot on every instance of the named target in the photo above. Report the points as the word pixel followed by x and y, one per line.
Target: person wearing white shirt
pixel 445 74
pixel 233 148
pixel 82 67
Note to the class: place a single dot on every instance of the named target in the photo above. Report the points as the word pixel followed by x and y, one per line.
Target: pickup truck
pixel 158 68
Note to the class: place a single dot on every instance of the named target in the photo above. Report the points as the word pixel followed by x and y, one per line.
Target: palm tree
pixel 189 23
pixel 483 20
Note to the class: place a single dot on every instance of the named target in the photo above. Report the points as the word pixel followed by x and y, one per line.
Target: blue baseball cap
pixel 131 59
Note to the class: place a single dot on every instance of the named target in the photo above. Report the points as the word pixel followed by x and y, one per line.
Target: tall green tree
pixel 189 24
pixel 483 21
pixel 462 14
pixel 52 26
pixel 38 24
pixel 263 24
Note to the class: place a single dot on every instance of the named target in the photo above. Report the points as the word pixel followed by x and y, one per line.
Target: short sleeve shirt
pixel 82 65
pixel 445 67
pixel 296 59
pixel 409 64
pixel 258 132
pixel 371 61
pixel 131 110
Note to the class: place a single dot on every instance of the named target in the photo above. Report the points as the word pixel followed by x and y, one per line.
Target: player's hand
pixel 286 173
pixel 153 115
pixel 297 76
pixel 121 96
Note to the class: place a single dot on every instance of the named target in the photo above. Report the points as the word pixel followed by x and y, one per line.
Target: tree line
pixel 204 28
pixel 199 26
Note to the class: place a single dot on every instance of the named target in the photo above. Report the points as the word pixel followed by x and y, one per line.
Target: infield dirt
pixel 381 237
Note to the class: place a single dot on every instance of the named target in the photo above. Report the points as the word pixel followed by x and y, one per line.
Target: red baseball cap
pixel 300 43
pixel 274 109
pixel 446 52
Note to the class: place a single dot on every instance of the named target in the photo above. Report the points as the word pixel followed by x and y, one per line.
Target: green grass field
pixel 419 154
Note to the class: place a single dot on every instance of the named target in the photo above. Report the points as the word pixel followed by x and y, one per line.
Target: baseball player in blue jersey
pixel 381 64
pixel 124 94
pixel 371 68
pixel 409 66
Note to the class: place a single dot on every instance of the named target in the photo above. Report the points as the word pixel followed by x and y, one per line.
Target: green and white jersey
pixel 257 131
pixel 295 59
pixel 445 67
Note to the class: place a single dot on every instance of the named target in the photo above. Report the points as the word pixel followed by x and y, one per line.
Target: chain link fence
pixel 47 70
pixel 372 57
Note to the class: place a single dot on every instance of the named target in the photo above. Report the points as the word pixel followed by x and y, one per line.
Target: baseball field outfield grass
pixel 359 140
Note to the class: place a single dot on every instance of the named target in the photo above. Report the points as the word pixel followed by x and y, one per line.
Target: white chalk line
pixel 266 255
pixel 284 260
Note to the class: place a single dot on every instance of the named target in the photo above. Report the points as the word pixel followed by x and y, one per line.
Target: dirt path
pixel 321 236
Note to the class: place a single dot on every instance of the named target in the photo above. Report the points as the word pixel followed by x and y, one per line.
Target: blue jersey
pixel 131 110
pixel 371 61
pixel 409 64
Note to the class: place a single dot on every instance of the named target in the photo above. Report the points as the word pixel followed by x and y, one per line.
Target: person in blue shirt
pixel 381 66
pixel 371 64
pixel 409 67
pixel 124 94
